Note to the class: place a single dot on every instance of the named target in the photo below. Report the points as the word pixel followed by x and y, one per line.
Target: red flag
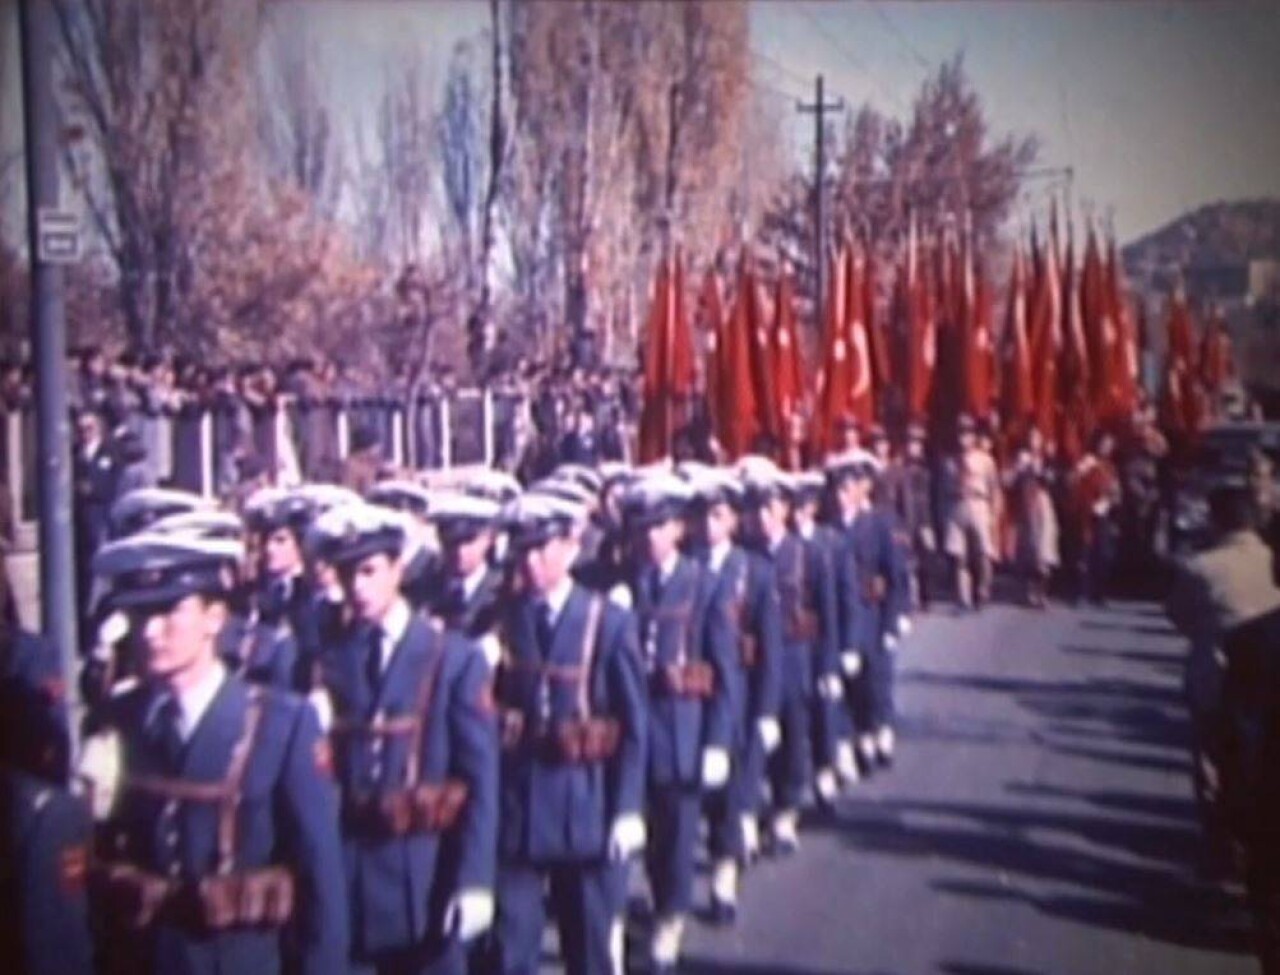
pixel 1017 394
pixel 1181 342
pixel 1123 398
pixel 789 387
pixel 921 334
pixel 762 361
pixel 1216 355
pixel 1099 328
pixel 860 404
pixel 1046 340
pixel 833 376
pixel 1074 374
pixel 741 408
pixel 654 412
pixel 877 341
pixel 711 322
pixel 683 367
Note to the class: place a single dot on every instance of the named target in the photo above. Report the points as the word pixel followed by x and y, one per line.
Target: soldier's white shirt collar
pixel 555 598
pixel 194 701
pixel 668 566
pixel 393 628
pixel 719 552
pixel 472 582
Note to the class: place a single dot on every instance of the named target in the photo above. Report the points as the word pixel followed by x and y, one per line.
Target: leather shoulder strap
pixel 231 783
pixel 590 633
pixel 422 704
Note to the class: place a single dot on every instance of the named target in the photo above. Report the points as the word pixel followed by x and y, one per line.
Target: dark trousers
pixel 673 835
pixel 586 898
pixel 878 668
pixel 724 808
pixel 790 767
pixel 437 957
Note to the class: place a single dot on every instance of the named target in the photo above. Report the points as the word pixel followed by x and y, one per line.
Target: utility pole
pixel 49 347
pixel 819 108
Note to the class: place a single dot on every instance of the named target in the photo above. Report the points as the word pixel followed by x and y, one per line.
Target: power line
pixel 848 54
pixel 782 69
pixel 919 58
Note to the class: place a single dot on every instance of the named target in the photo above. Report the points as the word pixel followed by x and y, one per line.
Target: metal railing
pixel 196 452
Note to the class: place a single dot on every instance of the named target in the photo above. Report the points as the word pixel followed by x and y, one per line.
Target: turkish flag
pixel 877 341
pixel 1074 374
pixel 834 372
pixel 1123 398
pixel 1181 341
pixel 1099 328
pixel 1017 393
pixel 860 401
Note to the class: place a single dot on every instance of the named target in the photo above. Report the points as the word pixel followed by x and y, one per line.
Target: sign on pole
pixel 57 236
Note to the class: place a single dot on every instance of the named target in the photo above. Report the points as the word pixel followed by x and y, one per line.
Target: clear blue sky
pixel 1159 106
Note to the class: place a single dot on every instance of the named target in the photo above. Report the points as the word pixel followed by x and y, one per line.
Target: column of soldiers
pixel 394 733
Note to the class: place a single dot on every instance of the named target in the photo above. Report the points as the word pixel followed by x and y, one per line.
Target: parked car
pixel 1221 457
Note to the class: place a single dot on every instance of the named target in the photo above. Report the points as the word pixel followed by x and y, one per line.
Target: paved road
pixel 1038 820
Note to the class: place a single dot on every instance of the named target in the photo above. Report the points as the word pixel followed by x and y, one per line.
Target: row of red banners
pixel 1064 361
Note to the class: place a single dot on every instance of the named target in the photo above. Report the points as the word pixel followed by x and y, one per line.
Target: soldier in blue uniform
pixel 807 602
pixel 421 565
pixel 575 740
pixel 416 750
pixel 219 849
pixel 468 596
pixel 745 582
pixel 690 661
pixel 874 603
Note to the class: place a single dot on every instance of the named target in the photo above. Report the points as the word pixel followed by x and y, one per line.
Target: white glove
pixel 490 649
pixel 620 596
pixel 469 914
pixel 851 663
pixel 626 837
pixel 322 704
pixel 100 769
pixel 904 626
pixel 890 642
pixel 715 768
pixel 831 687
pixel 770 734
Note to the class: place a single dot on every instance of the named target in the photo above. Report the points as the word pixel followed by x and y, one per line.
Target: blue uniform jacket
pixel 473 615
pixel 393 882
pixel 287 815
pixel 33 696
pixel 868 552
pixel 44 913
pixel 688 617
pixel 554 811
pixel 807 601
pixel 264 653
pixel 746 582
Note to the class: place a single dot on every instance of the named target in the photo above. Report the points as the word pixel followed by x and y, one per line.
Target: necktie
pixel 169 732
pixel 545 629
pixel 373 659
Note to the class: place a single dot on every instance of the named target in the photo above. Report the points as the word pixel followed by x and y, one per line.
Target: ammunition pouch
pixel 421 809
pixel 695 678
pixel 801 627
pixel 874 589
pixel 582 741
pixel 135 899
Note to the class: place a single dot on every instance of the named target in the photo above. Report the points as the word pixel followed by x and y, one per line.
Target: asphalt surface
pixel 1038 819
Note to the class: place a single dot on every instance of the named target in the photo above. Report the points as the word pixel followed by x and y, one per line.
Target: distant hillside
pixel 1214 234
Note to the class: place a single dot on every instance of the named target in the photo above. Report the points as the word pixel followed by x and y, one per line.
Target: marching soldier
pixel 1095 494
pixel 972 499
pixel 832 742
pixel 686 644
pixel 874 613
pixel 219 846
pixel 913 501
pixel 575 739
pixel 415 746
pixel 807 605
pixel 421 569
pixel 743 581
pixel 469 596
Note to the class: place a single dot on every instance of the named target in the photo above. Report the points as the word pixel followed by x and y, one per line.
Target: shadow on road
pixel 696 966
pixel 1123 874
pixel 967 968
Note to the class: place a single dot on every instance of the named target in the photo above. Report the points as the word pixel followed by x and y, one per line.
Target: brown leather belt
pixel 576 741
pixel 693 679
